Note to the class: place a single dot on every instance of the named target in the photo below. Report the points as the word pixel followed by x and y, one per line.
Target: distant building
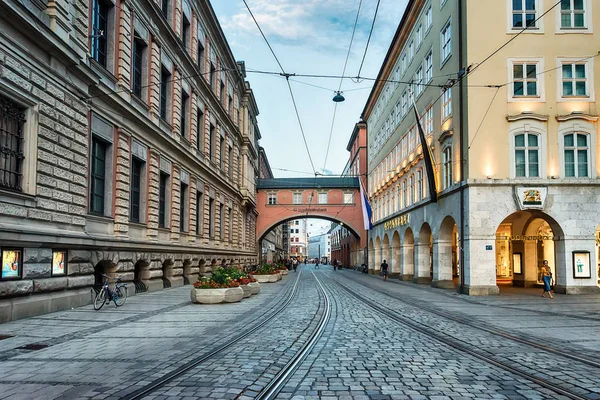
pixel 298 238
pixel 272 246
pixel 319 246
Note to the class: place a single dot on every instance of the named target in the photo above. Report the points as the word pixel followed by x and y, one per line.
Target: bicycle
pixel 105 295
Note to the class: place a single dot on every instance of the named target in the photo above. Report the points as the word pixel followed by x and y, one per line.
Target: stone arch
pixel 445 255
pixel 190 273
pixel 395 256
pixel 102 267
pixel 377 260
pixel 407 269
pixel 385 249
pixel 141 275
pixel 371 255
pixel 423 255
pixel 167 272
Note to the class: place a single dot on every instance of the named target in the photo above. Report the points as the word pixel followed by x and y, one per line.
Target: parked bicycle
pixel 106 295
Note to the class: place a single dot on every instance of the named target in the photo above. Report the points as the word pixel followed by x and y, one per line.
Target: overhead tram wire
pixel 287 76
pixel 340 85
pixel 369 38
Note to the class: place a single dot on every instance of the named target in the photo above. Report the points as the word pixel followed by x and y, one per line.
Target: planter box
pixel 283 271
pixel 267 278
pixel 214 296
pixel 247 290
pixel 255 287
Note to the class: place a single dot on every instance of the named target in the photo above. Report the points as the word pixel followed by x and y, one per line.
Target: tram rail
pixel 494 331
pixel 450 342
pixel 270 390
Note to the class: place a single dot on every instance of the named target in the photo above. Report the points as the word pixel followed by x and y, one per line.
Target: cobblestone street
pixel 431 343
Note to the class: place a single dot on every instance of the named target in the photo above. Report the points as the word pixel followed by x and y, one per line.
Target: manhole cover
pixel 2 337
pixel 33 346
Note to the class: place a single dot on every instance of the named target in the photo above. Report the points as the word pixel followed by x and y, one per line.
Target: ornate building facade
pixel 129 141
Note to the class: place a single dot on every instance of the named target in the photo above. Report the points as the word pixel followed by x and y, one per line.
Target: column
pixel 422 263
pixel 407 270
pixel 480 267
pixel 442 264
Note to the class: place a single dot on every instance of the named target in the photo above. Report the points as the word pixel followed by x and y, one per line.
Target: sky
pixel 308 37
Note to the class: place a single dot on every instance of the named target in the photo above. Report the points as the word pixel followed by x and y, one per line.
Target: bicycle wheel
pixel 120 296
pixel 100 299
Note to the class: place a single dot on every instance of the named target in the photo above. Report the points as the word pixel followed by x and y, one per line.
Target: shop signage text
pixel 524 237
pixel 396 222
pixel 309 210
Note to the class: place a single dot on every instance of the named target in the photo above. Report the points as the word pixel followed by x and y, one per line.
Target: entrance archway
pixel 445 255
pixel 408 256
pixel 141 272
pixel 524 240
pixel 423 256
pixel 395 256
pixel 167 272
pixel 385 251
pixel 377 257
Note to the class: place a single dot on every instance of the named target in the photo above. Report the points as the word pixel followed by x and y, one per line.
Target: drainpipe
pixel 461 144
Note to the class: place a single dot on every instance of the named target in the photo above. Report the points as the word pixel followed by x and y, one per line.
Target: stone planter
pixel 214 296
pixel 255 287
pixel 279 276
pixel 267 278
pixel 283 271
pixel 247 290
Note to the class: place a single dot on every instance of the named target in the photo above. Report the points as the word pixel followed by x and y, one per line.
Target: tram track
pixel 275 385
pixel 487 329
pixel 463 348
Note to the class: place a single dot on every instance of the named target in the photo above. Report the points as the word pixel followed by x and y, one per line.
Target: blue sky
pixel 309 37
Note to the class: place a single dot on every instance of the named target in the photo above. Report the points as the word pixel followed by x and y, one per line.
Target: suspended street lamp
pixel 338 98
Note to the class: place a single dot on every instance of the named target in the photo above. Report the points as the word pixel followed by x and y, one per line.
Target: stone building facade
pixel 513 135
pixel 129 148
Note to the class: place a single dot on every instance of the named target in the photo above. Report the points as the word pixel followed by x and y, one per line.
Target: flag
pixel 366 208
pixel 428 159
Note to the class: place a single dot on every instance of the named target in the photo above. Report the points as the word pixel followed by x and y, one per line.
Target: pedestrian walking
pixel 317 264
pixel 294 264
pixel 384 270
pixel 334 264
pixel 365 270
pixel 547 278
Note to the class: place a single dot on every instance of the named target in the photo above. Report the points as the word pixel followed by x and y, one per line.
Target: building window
pixel 213 76
pixel 419 36
pixel 447 167
pixel 164 7
pixel 222 153
pixel 211 142
pixel 348 198
pixel 428 67
pixel 162 200
pixel 272 198
pixel 221 222
pixel 12 123
pixel 428 123
pixel 100 32
pixel 230 220
pixel 139 51
pixel 185 32
pixel 199 212
pixel 411 185
pixel 404 194
pixel 322 198
pixel 298 222
pixel 418 81
pixel 230 161
pixel 527 155
pixel 404 102
pixel 411 51
pixel 211 218
pixel 137 166
pixel 183 207
pixel 297 199
pixel 446 103
pixel 200 130
pixel 185 110
pixel 525 81
pixel 577 154
pixel 98 176
pixel 419 193
pixel 446 42
pixel 428 19
pixel 572 14
pixel 574 80
pixel 200 55
pixel 165 77
pixel 524 13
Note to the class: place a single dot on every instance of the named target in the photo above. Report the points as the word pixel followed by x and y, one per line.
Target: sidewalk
pixel 565 319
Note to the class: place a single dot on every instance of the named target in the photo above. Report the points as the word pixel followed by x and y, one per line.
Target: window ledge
pixel 99 218
pixel 102 71
pixel 21 199
pixel 139 102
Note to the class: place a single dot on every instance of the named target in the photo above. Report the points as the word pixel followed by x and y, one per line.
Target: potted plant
pixel 266 274
pixel 219 288
pixel 248 284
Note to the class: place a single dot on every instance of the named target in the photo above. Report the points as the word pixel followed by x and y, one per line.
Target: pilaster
pixel 442 264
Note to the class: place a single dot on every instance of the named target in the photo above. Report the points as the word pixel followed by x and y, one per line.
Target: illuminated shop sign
pixel 524 237
pixel 396 222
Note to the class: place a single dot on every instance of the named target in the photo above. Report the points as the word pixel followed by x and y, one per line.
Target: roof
pixel 309 183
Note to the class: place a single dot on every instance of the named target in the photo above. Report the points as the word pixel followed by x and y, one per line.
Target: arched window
pixel 527 155
pixel 447 167
pixel 398 197
pixel 419 185
pixel 404 195
pixel 411 186
pixel 576 155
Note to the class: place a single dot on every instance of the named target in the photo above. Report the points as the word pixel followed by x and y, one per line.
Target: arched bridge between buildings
pixel 335 199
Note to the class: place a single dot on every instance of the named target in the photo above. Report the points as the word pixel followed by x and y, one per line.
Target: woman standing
pixel 547 278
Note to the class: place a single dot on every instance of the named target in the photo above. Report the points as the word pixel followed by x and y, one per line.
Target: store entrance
pixel 523 241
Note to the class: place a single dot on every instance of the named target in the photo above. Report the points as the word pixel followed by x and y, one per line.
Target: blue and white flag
pixel 366 208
